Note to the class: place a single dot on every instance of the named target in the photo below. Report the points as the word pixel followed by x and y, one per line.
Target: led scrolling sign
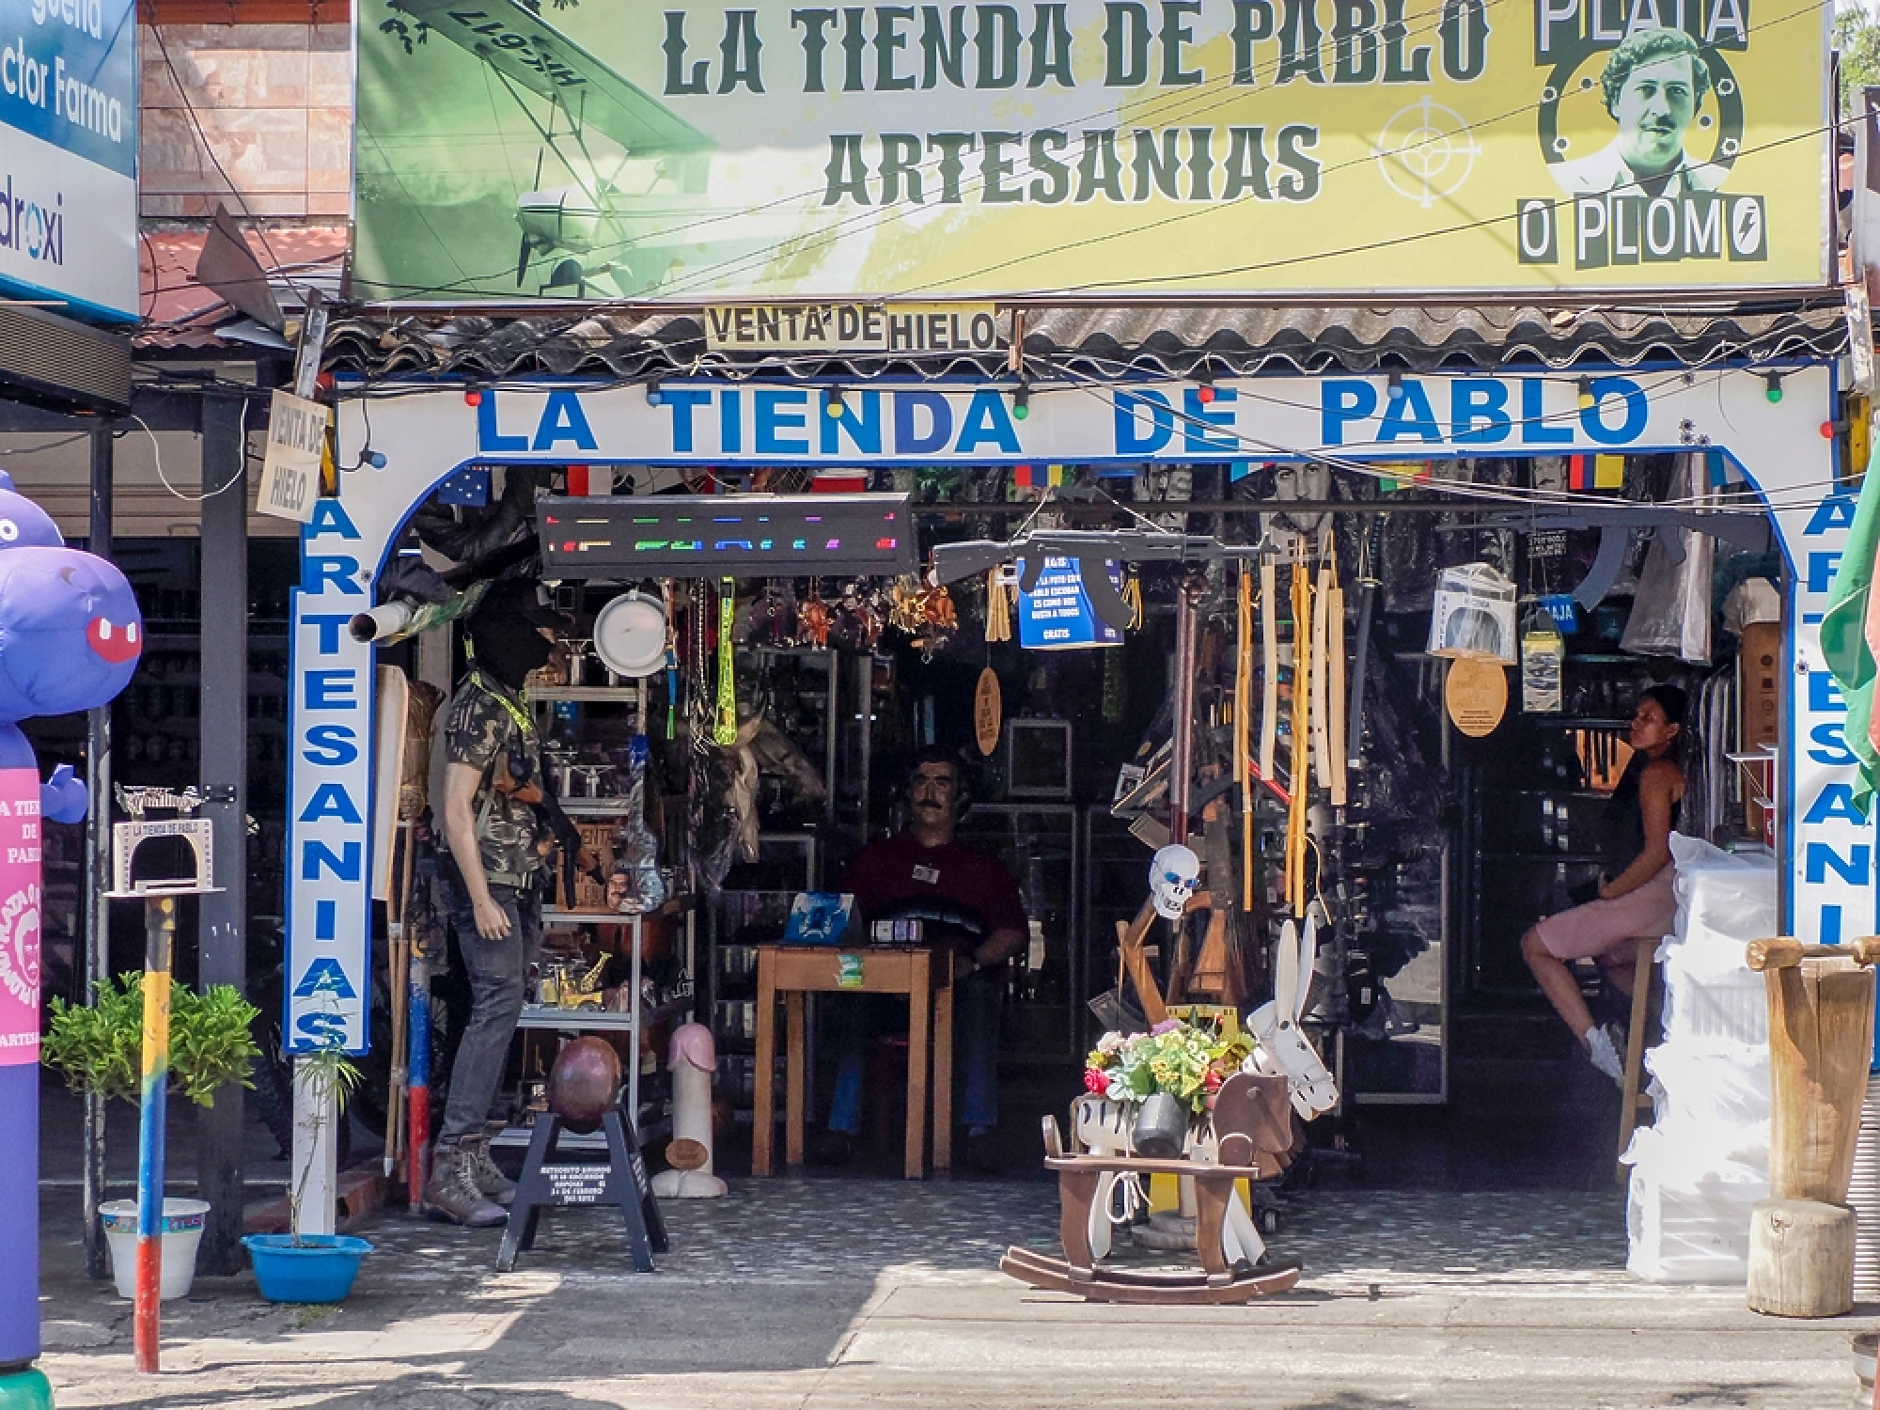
pixel 626 536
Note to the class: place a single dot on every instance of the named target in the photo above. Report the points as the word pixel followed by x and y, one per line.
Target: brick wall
pixel 274 102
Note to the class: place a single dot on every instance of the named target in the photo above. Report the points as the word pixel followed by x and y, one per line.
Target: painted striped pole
pixel 159 932
pixel 418 1080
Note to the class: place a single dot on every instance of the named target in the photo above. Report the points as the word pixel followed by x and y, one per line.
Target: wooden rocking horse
pixel 1249 1137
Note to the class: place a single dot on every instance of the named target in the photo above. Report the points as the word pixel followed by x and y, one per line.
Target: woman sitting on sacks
pixel 1635 891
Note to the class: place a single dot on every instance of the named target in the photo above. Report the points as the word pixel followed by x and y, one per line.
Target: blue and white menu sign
pixel 1056 614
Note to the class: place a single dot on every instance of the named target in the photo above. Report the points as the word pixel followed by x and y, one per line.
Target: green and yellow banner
pixel 1120 148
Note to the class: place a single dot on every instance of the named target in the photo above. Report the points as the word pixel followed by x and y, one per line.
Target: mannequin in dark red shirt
pixel 967 900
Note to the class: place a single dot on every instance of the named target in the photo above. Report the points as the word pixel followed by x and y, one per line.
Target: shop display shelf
pixel 588 1020
pixel 555 915
pixel 1570 793
pixel 657 1128
pixel 1570 858
pixel 590 694
pixel 593 807
pixel 593 1020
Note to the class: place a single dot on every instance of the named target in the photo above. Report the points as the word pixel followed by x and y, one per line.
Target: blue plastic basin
pixel 320 1268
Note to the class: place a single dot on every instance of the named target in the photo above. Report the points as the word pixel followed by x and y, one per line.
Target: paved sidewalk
pixel 829 1294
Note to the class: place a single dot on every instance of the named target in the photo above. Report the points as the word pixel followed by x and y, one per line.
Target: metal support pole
pixel 832 746
pixel 159 935
pixel 225 784
pixel 865 750
pixel 97 965
pixel 1181 757
pixel 637 928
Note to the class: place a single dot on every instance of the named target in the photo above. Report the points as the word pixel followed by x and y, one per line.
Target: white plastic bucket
pixel 182 1232
pixel 1473 615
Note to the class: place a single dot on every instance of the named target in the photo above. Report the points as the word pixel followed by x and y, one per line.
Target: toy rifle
pixel 1093 550
pixel 518 781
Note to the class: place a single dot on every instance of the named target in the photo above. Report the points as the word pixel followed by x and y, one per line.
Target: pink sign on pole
pixel 19 917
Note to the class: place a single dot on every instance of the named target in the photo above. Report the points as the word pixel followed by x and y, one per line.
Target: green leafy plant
pixel 99 1047
pixel 327 1071
pixel 1857 38
pixel 1184 1061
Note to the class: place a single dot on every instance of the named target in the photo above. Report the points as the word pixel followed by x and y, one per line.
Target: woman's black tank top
pixel 1623 822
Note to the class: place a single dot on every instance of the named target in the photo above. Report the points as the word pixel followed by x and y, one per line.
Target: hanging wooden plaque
pixel 988 712
pixel 1476 696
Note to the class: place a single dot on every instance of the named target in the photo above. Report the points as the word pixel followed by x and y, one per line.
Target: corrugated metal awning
pixel 1110 342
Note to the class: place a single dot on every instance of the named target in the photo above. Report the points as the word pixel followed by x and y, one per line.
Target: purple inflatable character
pixel 70 636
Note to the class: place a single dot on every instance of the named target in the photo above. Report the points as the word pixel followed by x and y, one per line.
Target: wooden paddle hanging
pixel 1243 720
pixel 393 838
pixel 1269 667
pixel 1301 734
pixel 1321 746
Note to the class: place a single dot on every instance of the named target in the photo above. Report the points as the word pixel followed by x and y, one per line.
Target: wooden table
pixel 924 975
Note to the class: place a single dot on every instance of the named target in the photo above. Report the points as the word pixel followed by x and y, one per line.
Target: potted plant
pixel 1166 1076
pixel 99 1048
pixel 298 1266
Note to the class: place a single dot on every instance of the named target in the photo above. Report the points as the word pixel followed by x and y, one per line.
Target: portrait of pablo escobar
pixel 1653 85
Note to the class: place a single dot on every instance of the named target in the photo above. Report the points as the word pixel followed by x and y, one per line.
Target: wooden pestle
pixel 1785 952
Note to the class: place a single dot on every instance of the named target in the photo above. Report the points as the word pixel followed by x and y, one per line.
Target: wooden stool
pixel 1631 1100
pixel 621 1182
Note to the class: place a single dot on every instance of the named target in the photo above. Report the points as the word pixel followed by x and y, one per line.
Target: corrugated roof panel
pixel 1110 342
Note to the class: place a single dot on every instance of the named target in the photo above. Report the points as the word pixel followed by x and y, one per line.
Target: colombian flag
pixel 1596 472
pixel 1039 477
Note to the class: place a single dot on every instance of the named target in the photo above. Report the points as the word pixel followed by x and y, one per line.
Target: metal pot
pixel 1161 1131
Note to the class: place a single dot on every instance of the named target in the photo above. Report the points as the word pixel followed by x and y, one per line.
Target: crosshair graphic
pixel 1426 152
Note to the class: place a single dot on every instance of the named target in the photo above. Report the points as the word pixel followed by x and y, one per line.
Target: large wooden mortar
pixel 1821 1026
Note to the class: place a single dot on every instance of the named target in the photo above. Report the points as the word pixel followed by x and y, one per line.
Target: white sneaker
pixel 1605 1056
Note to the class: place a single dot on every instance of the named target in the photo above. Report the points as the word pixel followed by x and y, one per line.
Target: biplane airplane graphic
pixel 636 172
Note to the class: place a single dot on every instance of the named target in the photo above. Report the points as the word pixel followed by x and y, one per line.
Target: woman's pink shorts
pixel 1606 929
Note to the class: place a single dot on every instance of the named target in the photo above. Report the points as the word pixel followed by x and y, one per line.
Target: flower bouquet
pixel 1166 1075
